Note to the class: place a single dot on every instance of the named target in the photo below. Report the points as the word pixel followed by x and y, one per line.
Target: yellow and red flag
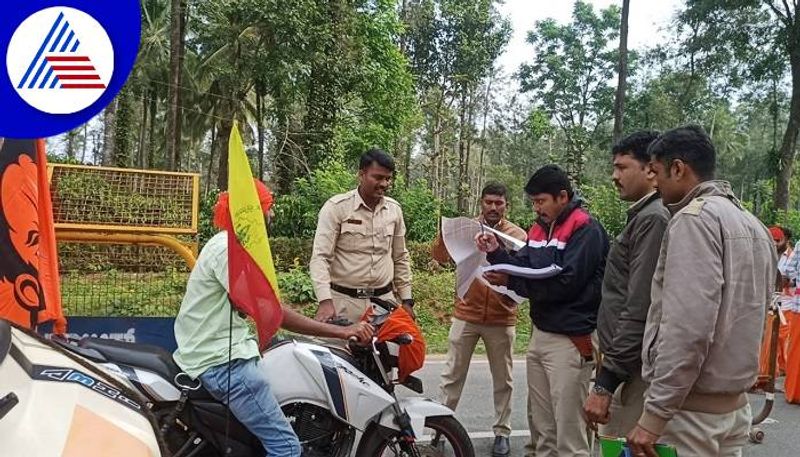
pixel 29 282
pixel 253 284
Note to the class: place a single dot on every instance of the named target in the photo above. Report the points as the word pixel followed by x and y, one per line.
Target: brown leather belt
pixel 362 292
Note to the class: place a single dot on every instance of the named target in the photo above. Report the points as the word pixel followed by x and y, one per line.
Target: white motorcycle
pixel 339 403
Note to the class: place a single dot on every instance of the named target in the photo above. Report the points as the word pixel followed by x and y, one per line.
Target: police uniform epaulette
pixel 340 198
pixel 695 207
pixel 391 200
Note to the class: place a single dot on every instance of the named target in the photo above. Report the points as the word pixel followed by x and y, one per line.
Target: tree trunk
pixel 326 87
pixel 97 146
pixel 787 151
pixel 283 161
pixel 123 129
pixel 225 126
pixel 619 99
pixel 467 182
pixel 72 136
pixel 140 152
pixel 210 169
pixel 486 105
pixel 151 135
pixel 85 141
pixel 407 171
pixel 462 153
pixel 774 112
pixel 260 127
pixel 322 109
pixel 435 183
pixel 109 116
pixel 173 96
pixel 404 20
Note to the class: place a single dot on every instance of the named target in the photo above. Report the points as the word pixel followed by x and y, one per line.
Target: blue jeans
pixel 253 404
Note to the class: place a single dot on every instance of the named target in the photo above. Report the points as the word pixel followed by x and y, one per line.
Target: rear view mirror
pixel 403 339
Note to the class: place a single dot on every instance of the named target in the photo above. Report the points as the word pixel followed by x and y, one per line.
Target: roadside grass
pixel 125 294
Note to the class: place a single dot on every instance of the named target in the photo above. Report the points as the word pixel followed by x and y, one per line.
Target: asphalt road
pixel 475 412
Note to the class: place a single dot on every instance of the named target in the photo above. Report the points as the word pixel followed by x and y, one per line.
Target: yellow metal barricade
pixel 127 238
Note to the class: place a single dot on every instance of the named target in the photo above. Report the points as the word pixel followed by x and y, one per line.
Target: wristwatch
pixel 409 302
pixel 602 391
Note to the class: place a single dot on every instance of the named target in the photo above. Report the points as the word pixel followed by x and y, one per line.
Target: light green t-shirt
pixel 201 328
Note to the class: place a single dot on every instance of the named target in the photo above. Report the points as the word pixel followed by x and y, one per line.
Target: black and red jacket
pixel 566 303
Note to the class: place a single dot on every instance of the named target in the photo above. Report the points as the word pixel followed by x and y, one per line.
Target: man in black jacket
pixel 566 252
pixel 617 397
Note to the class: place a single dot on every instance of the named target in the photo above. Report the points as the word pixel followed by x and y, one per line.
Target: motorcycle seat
pixel 145 356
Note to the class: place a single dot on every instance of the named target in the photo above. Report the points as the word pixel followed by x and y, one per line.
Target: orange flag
pixel 252 280
pixel 29 283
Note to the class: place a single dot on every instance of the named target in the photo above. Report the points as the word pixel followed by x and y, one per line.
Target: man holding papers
pixel 482 314
pixel 570 243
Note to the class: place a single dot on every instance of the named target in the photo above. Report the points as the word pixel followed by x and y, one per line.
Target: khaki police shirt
pixel 357 247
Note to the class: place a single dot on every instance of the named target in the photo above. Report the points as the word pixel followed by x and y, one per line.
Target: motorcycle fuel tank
pixel 303 372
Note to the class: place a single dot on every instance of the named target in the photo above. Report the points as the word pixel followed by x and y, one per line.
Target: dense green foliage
pixel 313 83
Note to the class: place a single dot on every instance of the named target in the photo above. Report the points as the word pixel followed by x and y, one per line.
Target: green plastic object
pixel 615 447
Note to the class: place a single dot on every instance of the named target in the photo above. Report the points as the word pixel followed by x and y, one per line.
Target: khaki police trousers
pixel 708 435
pixel 354 308
pixel 499 342
pixel 558 383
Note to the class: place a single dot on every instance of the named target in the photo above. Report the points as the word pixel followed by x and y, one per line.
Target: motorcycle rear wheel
pixel 456 441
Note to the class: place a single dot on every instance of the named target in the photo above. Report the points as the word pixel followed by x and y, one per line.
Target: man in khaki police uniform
pixel 487 315
pixel 360 246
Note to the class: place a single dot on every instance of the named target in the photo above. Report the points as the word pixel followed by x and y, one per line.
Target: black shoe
pixel 501 446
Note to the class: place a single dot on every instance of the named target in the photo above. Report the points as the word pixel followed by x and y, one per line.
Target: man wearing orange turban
pixel 216 344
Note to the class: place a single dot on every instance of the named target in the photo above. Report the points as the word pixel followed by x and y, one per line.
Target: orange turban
pixel 222 211
pixel 777 233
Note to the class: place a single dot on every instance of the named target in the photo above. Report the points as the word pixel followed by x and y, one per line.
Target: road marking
pixel 438 361
pixel 485 435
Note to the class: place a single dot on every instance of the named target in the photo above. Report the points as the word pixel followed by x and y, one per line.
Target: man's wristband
pixel 608 379
pixel 409 302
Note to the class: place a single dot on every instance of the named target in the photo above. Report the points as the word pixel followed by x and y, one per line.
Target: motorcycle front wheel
pixel 444 437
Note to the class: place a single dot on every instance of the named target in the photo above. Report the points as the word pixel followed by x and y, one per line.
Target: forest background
pixel 314 83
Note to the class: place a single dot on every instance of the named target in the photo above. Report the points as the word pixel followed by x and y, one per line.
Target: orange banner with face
pixel 29 281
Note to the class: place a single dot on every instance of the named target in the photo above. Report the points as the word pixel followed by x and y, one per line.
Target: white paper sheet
pixel 522 272
pixel 459 238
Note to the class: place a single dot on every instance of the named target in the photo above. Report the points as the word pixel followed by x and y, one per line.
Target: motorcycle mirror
pixel 385 304
pixel 378 320
pixel 340 321
pixel 403 339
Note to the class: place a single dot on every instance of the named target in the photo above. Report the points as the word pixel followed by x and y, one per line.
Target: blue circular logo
pixel 64 62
